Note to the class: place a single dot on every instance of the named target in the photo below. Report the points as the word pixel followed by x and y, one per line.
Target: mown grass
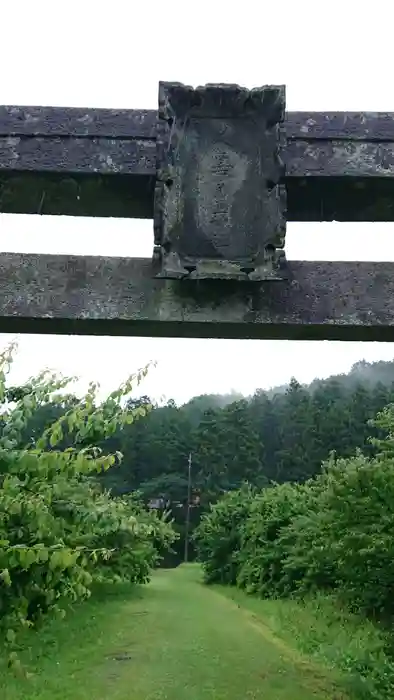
pixel 319 628
pixel 172 640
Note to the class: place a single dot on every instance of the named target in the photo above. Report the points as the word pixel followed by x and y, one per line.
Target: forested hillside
pixel 279 435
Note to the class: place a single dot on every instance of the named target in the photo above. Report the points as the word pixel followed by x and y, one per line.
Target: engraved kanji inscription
pixel 220 203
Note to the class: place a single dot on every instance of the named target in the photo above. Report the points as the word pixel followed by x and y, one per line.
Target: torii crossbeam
pixel 329 166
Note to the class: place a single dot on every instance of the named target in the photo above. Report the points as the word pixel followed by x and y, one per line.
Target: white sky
pixel 330 57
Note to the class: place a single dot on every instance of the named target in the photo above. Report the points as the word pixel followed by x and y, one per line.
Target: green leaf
pixel 10 636
pixel 5 577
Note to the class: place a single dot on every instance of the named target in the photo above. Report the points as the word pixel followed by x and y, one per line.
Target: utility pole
pixel 189 496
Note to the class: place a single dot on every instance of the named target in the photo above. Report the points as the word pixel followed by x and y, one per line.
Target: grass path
pixel 172 640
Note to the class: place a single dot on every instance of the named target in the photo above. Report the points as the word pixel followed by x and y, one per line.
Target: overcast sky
pixel 84 54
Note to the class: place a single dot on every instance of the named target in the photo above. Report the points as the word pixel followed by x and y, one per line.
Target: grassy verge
pixel 172 640
pixel 318 628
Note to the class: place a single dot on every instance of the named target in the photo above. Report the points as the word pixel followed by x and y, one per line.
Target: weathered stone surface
pixel 339 158
pixel 354 126
pixel 129 196
pixel 339 165
pixel 77 156
pixel 219 205
pixel 72 121
pixel 86 156
pixel 142 123
pixel 119 296
pixel 340 199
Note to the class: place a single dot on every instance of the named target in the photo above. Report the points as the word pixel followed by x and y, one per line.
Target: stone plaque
pixel 220 202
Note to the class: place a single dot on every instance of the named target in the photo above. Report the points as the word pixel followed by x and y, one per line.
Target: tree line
pixel 279 435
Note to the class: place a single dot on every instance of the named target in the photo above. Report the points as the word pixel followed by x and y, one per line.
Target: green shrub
pixel 262 555
pixel 347 543
pixel 218 536
pixel 59 530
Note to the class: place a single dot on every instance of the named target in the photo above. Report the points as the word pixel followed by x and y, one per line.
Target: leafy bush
pixel 218 536
pixel 262 554
pixel 59 530
pixel 347 543
pixel 335 532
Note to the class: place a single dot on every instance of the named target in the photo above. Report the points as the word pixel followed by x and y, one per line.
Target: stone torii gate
pixel 220 169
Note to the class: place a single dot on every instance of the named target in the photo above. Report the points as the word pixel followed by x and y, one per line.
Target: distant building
pixel 161 502
pixel 158 503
